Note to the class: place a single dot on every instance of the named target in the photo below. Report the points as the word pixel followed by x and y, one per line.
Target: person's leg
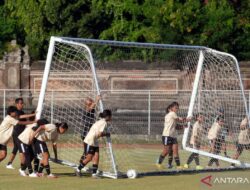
pixel 95 162
pixel 13 153
pixel 3 152
pixel 170 158
pixel 164 153
pixel 166 149
pixel 176 154
pixel 190 158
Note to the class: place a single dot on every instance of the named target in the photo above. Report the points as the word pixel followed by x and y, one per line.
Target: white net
pixel 138 104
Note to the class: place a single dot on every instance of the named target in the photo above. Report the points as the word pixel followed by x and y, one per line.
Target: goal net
pixel 202 80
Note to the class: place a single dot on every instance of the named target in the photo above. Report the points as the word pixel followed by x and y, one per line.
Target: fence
pixel 142 111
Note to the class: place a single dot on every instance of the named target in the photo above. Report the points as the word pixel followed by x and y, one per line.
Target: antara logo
pixel 224 180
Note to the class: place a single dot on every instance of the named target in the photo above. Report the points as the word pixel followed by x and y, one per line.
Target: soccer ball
pixel 132 174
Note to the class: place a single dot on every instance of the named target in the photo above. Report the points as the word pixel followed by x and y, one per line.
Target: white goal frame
pixel 43 92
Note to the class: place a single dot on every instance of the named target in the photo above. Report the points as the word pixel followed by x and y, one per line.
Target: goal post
pixel 191 108
pixel 89 67
pixel 201 79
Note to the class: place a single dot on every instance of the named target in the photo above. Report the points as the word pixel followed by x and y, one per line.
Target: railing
pixel 149 105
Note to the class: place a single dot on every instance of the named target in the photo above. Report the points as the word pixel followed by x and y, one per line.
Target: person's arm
pixel 54 145
pixel 26 122
pixel 25 116
pixel 93 105
pixel 180 119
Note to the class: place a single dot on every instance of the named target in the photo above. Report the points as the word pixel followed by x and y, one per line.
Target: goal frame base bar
pixel 190 171
pixel 121 175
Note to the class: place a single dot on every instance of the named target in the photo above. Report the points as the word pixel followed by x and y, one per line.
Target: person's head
pixel 200 118
pixel 168 109
pixel 88 102
pixel 12 111
pixel 106 114
pixel 42 121
pixel 220 121
pixel 174 106
pixel 62 127
pixel 19 103
pixel 221 111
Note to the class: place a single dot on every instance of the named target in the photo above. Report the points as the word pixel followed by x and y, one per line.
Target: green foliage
pixel 7 28
pixel 223 25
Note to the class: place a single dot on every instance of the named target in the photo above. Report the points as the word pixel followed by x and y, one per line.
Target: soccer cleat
pixel 40 174
pixel 33 175
pixel 159 166
pixel 78 173
pixel 22 173
pixel 52 176
pixel 10 167
pixel 96 176
pixel 186 166
pixel 169 166
pixel 199 167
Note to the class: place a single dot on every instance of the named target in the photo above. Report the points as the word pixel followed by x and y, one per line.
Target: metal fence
pixel 141 111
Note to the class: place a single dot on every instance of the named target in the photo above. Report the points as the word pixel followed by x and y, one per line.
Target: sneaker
pixel 159 166
pixel 96 176
pixel 10 167
pixel 52 176
pixel 40 174
pixel 199 167
pixel 169 166
pixel 22 173
pixel 186 166
pixel 78 172
pixel 33 175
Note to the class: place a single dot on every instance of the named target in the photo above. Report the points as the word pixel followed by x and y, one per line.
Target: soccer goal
pixel 209 82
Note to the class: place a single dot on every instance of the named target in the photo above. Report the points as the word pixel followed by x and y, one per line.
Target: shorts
pixel 3 147
pixel 90 149
pixel 15 143
pixel 40 147
pixel 241 147
pixel 23 148
pixel 166 140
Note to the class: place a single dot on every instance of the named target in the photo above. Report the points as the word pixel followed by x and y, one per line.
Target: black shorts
pixel 90 149
pixel 23 148
pixel 3 147
pixel 166 140
pixel 241 147
pixel 15 143
pixel 40 147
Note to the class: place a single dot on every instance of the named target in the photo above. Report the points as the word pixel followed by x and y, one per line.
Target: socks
pixel 161 158
pixel 47 168
pixel 9 163
pixel 23 167
pixel 36 164
pixel 196 159
pixel 177 161
pixel 170 160
pixel 40 170
pixel 190 158
pixel 95 167
pixel 81 166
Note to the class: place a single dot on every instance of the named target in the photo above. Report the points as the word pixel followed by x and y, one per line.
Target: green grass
pixel 10 180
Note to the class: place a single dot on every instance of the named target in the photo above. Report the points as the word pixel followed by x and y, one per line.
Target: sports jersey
pixel 244 137
pixel 92 137
pixel 24 137
pixel 18 129
pixel 170 124
pixel 197 132
pixel 49 134
pixel 214 131
pixel 6 129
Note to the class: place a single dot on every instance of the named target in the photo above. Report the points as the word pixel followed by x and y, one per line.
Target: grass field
pixel 10 179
